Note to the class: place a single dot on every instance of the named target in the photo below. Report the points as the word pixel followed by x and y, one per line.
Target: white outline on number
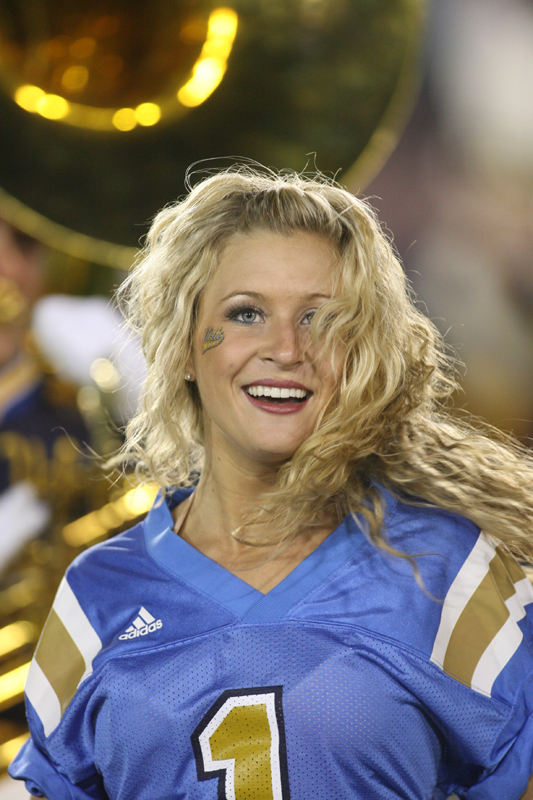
pixel 228 764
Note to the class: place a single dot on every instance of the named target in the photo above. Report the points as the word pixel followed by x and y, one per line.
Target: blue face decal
pixel 212 338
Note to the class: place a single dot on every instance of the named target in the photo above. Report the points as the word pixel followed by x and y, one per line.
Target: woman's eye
pixel 307 318
pixel 245 315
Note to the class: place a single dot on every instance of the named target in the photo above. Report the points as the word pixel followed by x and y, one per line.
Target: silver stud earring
pixel 188 376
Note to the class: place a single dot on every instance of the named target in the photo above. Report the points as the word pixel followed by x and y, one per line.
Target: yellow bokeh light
pixel 223 23
pixel 9 749
pixel 217 47
pixel 140 499
pixel 104 374
pixel 211 66
pixel 82 48
pixel 148 114
pixel 27 97
pixel 16 635
pixel 206 77
pixel 75 78
pixel 52 106
pixel 124 119
pixel 12 683
pixel 97 524
pixel 208 71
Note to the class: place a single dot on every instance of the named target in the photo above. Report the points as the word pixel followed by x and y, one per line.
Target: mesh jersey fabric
pixel 161 675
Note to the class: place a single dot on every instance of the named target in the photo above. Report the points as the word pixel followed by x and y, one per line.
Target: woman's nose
pixel 283 343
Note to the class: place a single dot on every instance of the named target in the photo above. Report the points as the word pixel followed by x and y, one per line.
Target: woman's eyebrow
pixel 258 296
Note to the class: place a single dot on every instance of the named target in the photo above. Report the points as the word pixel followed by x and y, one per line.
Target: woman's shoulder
pixel 457 561
pixel 109 559
pixel 126 556
pixel 412 523
pixel 110 584
pixel 473 600
pixel 438 541
pixel 111 593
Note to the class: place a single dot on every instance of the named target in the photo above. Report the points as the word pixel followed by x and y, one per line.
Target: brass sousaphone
pixel 105 103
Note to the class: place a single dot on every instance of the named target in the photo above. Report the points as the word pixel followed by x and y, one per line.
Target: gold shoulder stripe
pixel 478 631
pixel 63 658
pixel 515 571
pixel 60 660
pixel 480 621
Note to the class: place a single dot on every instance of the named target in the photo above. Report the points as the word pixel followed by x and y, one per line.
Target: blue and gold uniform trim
pixel 62 660
pixel 479 632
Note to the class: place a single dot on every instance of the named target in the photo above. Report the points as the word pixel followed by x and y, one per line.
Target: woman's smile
pixel 278 397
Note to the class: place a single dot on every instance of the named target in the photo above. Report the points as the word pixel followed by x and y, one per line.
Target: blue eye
pixel 246 315
pixel 307 318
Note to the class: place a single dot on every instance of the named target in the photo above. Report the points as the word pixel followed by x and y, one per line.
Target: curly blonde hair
pixel 389 422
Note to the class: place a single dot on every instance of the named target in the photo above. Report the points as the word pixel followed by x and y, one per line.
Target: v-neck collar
pixel 180 558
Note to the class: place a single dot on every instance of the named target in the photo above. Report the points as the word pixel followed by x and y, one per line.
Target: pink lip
pixel 274 408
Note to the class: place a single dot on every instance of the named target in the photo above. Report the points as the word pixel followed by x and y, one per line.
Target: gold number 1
pixel 241 740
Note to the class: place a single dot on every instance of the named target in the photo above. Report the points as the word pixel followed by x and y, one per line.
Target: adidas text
pixel 154 626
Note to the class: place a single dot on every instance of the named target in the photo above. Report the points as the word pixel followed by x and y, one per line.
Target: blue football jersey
pixel 160 675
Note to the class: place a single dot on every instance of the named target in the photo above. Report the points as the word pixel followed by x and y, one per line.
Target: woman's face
pixel 263 385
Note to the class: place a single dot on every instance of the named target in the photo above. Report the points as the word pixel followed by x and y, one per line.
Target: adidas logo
pixel 142 624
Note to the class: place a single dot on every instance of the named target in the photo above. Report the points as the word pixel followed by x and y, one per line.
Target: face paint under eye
pixel 212 338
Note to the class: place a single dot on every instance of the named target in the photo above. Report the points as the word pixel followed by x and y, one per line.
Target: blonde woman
pixel 321 617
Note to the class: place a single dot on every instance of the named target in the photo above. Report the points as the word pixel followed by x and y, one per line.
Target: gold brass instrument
pixel 104 106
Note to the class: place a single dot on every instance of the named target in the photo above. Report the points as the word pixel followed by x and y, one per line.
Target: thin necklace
pixel 232 533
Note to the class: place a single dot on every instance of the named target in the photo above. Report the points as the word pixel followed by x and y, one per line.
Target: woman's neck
pixel 212 523
pixel 228 492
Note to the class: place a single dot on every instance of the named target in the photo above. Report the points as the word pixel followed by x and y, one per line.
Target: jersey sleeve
pixel 485 643
pixel 58 760
pixel 43 778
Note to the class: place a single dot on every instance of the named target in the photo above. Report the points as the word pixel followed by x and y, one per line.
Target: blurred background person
pixel 67 379
pixel 38 414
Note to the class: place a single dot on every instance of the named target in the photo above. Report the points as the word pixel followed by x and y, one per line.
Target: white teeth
pixel 276 391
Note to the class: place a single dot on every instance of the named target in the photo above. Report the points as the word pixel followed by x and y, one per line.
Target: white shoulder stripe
pixel 43 698
pixel 74 619
pixel 63 658
pixel 463 587
pixel 524 591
